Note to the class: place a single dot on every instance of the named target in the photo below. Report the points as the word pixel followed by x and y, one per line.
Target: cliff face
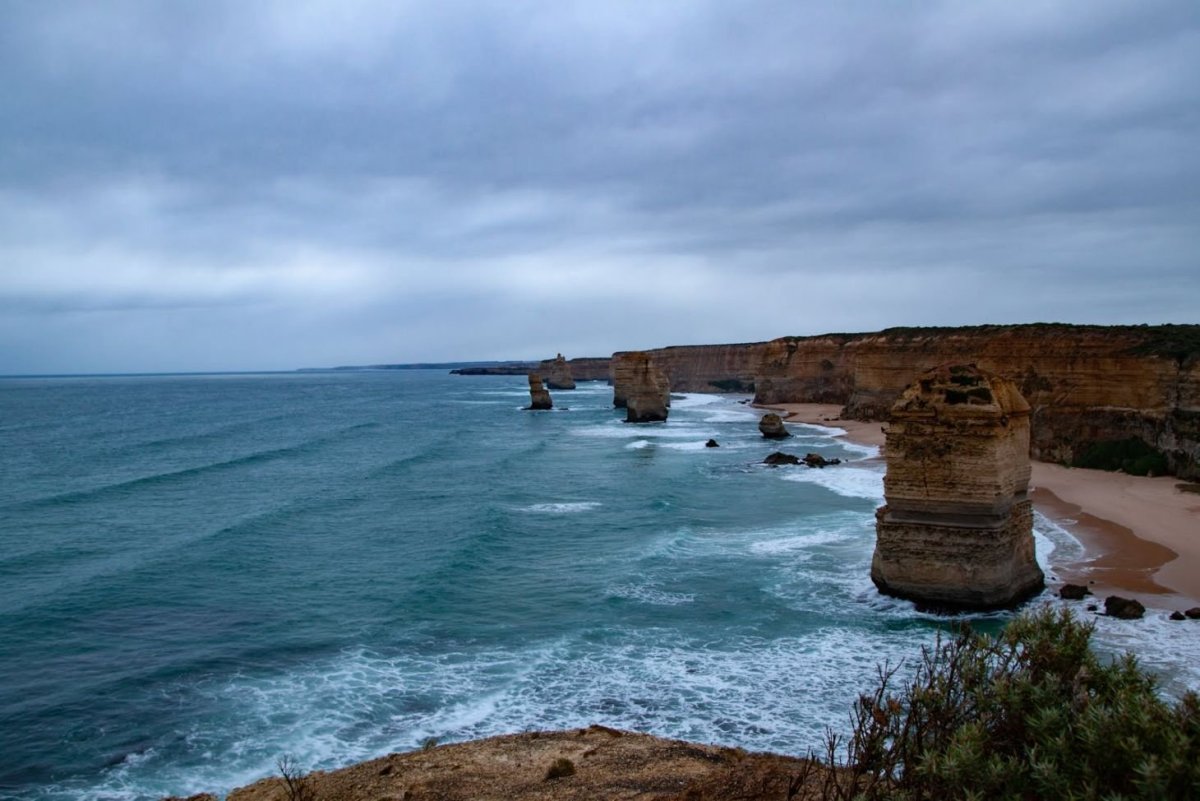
pixel 699 368
pixel 809 370
pixel 1085 384
pixel 957 526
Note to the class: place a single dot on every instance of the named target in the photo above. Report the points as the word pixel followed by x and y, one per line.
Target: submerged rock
pixel 1123 608
pixel 539 396
pixel 780 458
pixel 712 443
pixel 771 426
pixel 1193 613
pixel 1177 615
pixel 957 527
pixel 817 460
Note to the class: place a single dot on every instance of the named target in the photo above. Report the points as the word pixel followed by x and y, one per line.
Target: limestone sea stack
pixel 647 393
pixel 771 426
pixel 559 375
pixel 539 396
pixel 956 530
pixel 627 367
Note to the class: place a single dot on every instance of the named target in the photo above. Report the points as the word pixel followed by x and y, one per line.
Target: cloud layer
pixel 218 185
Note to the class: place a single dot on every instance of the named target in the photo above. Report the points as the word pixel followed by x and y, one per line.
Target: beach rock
pixel 1093 608
pixel 780 458
pixel 771 426
pixel 1073 592
pixel 197 797
pixel 1177 615
pixel 956 530
pixel 817 460
pixel 539 396
pixel 1123 608
pixel 559 374
pixel 712 443
pixel 1193 613
pixel 647 393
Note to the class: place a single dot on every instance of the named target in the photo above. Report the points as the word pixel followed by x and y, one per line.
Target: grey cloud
pixel 360 172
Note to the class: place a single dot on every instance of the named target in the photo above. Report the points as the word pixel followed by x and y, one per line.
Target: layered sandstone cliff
pixel 558 376
pixel 1085 384
pixel 697 368
pixel 584 368
pixel 648 394
pixel 956 529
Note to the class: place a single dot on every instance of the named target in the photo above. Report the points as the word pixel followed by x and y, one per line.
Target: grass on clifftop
pixel 1032 713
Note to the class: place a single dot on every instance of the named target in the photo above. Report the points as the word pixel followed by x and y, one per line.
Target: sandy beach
pixel 1141 536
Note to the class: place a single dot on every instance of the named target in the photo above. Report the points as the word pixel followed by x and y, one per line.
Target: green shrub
pixel 1032 713
pixel 1132 456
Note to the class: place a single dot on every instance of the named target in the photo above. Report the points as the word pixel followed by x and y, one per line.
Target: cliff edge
pixel 580 764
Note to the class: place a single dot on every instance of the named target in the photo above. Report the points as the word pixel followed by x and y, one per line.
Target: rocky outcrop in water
pixel 539 396
pixel 956 529
pixel 647 394
pixel 559 374
pixel 695 368
pixel 1123 608
pixel 771 426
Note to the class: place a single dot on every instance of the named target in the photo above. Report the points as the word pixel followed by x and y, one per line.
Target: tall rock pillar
pixel 647 392
pixel 559 375
pixel 957 527
pixel 539 396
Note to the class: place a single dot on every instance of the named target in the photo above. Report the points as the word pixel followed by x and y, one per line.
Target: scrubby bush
pixel 1132 456
pixel 1032 713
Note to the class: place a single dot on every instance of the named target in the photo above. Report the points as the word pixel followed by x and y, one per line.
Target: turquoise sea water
pixel 199 574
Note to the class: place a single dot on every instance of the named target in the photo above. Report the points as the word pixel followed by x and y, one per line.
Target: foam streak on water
pixel 200 574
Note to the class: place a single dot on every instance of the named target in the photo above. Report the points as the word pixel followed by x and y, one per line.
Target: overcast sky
pixel 255 185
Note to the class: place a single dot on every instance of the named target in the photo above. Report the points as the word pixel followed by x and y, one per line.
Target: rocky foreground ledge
pixel 592 763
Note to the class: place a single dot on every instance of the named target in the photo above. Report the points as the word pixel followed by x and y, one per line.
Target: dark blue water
pixel 199 574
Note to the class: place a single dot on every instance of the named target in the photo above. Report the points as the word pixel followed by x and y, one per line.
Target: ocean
pixel 201 574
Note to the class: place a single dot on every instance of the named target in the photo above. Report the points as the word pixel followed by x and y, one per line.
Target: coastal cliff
pixel 584 368
pixel 697 368
pixel 1085 384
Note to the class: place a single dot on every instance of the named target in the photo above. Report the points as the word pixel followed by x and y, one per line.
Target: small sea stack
pixel 647 393
pixel 539 396
pixel 956 530
pixel 771 426
pixel 559 374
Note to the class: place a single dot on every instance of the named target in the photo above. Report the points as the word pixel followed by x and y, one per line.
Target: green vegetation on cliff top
pixel 1173 341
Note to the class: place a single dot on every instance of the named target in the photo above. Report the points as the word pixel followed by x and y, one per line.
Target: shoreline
pixel 1140 535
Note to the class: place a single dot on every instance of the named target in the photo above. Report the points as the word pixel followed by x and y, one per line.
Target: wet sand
pixel 1141 536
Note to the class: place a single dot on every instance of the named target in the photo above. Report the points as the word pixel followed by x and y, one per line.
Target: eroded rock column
pixel 957 527
pixel 648 394
pixel 539 396
pixel 559 376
